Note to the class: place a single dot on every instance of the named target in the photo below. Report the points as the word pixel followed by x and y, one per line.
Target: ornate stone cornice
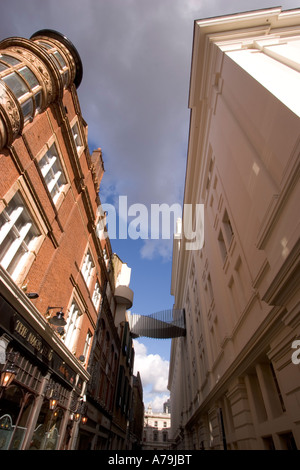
pixel 45 69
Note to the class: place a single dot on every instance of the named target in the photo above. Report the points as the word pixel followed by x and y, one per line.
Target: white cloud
pixel 154 375
pixel 152 249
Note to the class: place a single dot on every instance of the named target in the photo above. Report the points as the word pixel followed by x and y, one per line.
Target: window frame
pixel 73 326
pixel 21 270
pixel 63 188
pixel 89 270
pixel 57 58
pixel 31 94
pixel 96 293
pixel 77 134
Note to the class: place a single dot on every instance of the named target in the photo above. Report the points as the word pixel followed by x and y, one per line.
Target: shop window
pixel 18 236
pixel 52 171
pixel 15 411
pixel 47 431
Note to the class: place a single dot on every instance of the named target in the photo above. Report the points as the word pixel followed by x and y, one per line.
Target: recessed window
pixel 72 326
pixel 52 171
pixel 227 227
pixel 76 136
pixel 222 246
pixel 87 344
pixel 18 235
pixel 96 295
pixel 87 267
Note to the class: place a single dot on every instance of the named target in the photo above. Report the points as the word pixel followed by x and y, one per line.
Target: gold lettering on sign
pixel 33 340
pixel 21 329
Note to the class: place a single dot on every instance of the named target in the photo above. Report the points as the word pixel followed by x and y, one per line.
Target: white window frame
pixel 32 222
pixel 87 344
pixel 54 171
pixel 73 325
pixel 77 136
pixel 101 225
pixel 96 297
pixel 88 267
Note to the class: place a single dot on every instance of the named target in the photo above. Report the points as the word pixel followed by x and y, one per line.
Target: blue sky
pixel 136 57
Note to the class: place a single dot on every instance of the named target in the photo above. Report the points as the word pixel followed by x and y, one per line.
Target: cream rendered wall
pixel 242 306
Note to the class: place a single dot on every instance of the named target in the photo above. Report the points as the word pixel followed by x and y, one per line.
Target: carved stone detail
pixel 12 118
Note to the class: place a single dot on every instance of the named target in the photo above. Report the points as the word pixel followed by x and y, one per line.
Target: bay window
pixel 23 84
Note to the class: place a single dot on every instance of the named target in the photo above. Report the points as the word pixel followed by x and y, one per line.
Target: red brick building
pixel 58 328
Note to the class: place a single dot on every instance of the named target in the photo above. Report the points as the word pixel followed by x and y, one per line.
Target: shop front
pixel 41 388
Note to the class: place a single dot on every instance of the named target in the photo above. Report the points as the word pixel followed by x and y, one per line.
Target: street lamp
pixel 53 396
pixel 58 319
pixel 80 412
pixel 52 403
pixel 84 419
pixel 76 416
pixel 9 371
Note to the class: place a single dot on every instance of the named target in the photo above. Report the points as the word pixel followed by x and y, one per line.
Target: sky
pixel 136 57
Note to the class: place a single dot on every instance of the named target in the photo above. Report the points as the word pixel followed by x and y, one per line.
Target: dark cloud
pixel 134 95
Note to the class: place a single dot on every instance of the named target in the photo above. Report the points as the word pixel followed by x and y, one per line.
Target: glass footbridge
pixel 161 325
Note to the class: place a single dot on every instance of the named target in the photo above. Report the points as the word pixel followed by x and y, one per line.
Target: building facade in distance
pixel 61 324
pixel 157 428
pixel 234 378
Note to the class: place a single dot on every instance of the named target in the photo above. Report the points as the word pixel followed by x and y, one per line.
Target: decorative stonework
pixel 45 70
pixel 12 119
pixel 40 71
pixel 66 55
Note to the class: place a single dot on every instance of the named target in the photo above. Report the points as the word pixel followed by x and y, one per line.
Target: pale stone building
pixel 234 378
pixel 156 430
